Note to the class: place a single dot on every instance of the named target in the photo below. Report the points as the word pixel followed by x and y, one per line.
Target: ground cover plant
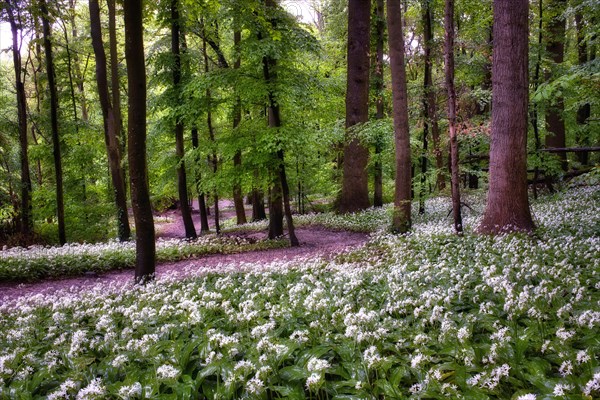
pixel 38 262
pixel 423 315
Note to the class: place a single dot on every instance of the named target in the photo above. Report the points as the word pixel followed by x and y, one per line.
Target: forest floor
pixel 314 241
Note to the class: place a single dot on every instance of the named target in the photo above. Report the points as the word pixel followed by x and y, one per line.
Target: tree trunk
pixel 555 47
pixel 280 185
pixel 355 191
pixel 214 160
pixel 184 205
pixel 379 87
pixel 449 69
pixel 136 142
pixel 26 220
pixel 428 97
pixel 258 205
pixel 204 228
pixel 401 220
pixel 585 110
pixel 112 124
pixel 507 208
pixel 60 205
pixel 238 198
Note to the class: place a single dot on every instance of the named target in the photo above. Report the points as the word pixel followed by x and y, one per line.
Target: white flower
pixel 566 368
pixel 313 381
pixel 416 388
pixel 582 357
pixel 417 359
pixel 131 391
pixel 560 388
pixel 317 365
pixel 372 357
pixel 463 334
pixel 255 386
pixel 167 371
pixel 94 390
pixel 564 334
pixel 528 396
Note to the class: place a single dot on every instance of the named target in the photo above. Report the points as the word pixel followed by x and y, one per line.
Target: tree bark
pixel 355 191
pixel 238 198
pixel 507 208
pixel 379 106
pixel 585 110
pixel 186 214
pixel 280 187
pixel 204 228
pixel 60 204
pixel 136 142
pixel 401 220
pixel 449 69
pixel 25 214
pixel 555 47
pixel 112 124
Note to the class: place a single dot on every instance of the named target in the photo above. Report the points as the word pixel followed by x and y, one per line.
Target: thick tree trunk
pixel 26 220
pixel 60 204
pixel 507 207
pixel 204 228
pixel 379 106
pixel 112 124
pixel 449 69
pixel 136 142
pixel 355 190
pixel 186 213
pixel 555 47
pixel 401 220
pixel 238 198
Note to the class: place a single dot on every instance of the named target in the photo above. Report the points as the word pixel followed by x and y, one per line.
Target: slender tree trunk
pixel 355 191
pixel 60 204
pixel 536 83
pixel 238 198
pixel 431 120
pixel 136 142
pixel 507 207
pixel 186 214
pixel 214 159
pixel 401 220
pixel 78 75
pixel 258 205
pixel 115 82
pixel 428 97
pixel 280 189
pixel 555 47
pixel 204 228
pixel 379 106
pixel 585 110
pixel 112 125
pixel 26 220
pixel 449 67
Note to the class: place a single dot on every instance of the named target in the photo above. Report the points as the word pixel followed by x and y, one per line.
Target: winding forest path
pixel 314 241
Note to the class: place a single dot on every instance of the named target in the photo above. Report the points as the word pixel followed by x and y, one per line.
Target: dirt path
pixel 314 241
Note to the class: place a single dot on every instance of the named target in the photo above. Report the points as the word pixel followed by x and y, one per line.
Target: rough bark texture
pixel 555 47
pixel 186 213
pixel 204 228
pixel 258 205
pixel 379 106
pixel 507 207
pixel 280 188
pixel 26 221
pixel 449 69
pixel 428 96
pixel 112 124
pixel 584 111
pixel 238 197
pixel 60 204
pixel 355 191
pixel 136 142
pixel 401 220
